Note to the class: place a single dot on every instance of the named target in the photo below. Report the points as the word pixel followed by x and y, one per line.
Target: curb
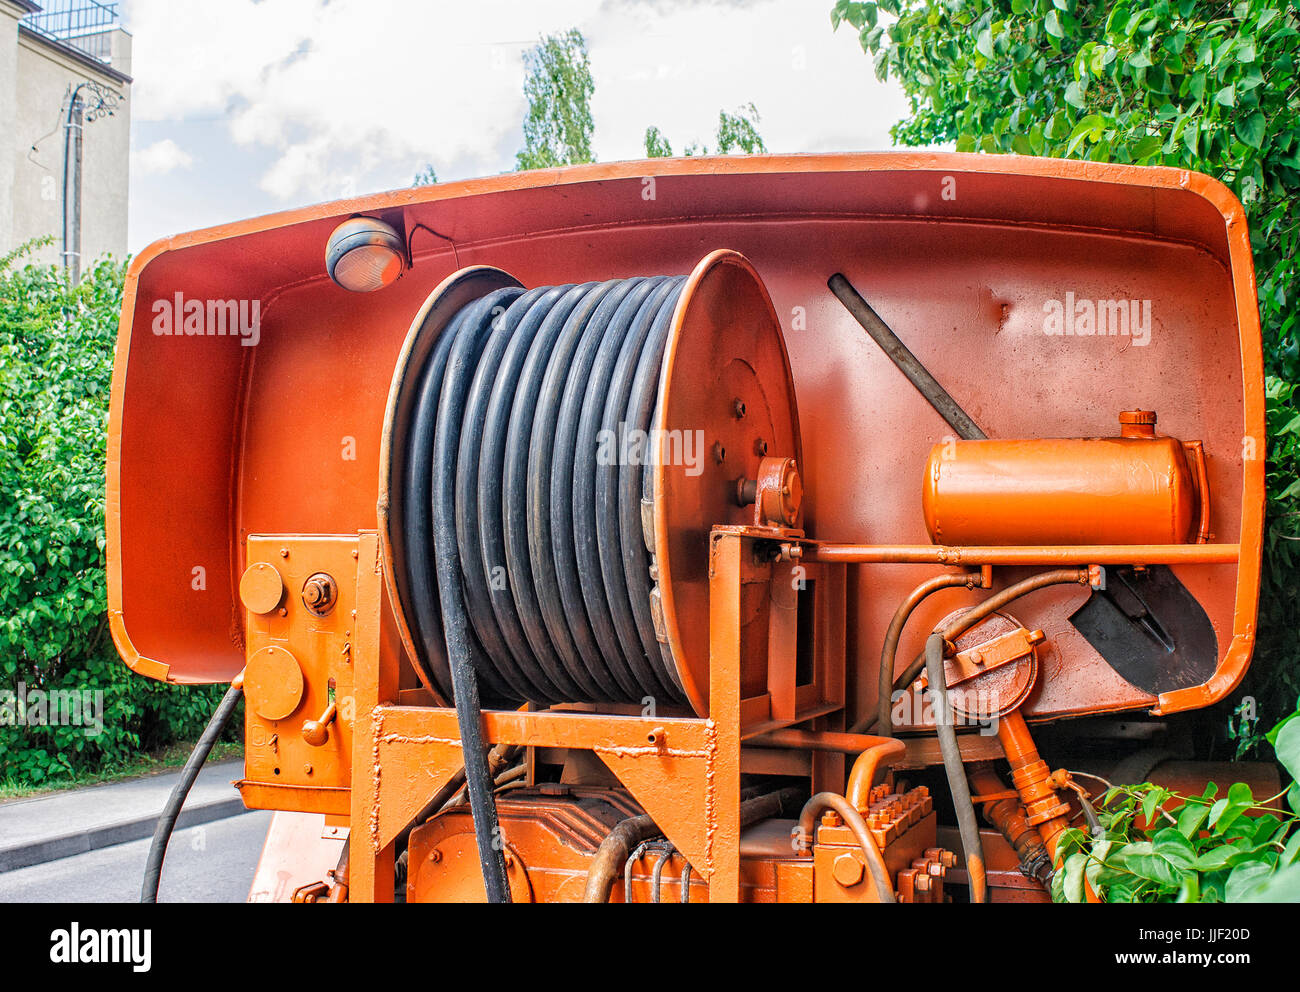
pixel 111 834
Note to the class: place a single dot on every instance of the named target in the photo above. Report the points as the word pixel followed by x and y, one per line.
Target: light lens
pixel 364 254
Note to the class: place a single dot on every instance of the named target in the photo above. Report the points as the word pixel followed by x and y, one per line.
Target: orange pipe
pixel 1008 817
pixel 1100 554
pixel 1032 779
pixel 870 751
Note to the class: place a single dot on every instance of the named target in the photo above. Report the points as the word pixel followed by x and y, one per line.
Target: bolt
pixel 319 593
pixel 307 768
pixel 284 552
pixel 435 856
pixel 922 883
pixel 739 408
pixel 831 819
pixel 847 869
pixel 760 447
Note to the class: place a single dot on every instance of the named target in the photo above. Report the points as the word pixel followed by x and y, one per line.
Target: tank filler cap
pixel 1137 423
pixel 261 587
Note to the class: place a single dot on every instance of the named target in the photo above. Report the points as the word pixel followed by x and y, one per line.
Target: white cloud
pixel 160 158
pixel 353 93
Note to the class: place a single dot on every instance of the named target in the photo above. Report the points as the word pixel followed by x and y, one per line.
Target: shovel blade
pixel 1150 629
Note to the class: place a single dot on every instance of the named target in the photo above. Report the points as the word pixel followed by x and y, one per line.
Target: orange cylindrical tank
pixel 1133 489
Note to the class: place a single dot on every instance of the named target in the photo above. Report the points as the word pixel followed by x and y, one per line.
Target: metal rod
pixel 1085 554
pixel 938 397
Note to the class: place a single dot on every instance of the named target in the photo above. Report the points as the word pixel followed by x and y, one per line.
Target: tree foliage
pixel 558 85
pixel 426 176
pixel 736 134
pixel 1209 86
pixel 56 364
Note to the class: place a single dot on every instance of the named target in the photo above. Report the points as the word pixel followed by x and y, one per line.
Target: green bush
pixel 1210 86
pixel 56 366
pixel 1207 848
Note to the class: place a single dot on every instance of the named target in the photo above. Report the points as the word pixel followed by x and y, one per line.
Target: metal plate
pixel 725 346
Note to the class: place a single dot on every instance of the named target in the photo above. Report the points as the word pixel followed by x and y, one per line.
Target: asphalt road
pixel 213 862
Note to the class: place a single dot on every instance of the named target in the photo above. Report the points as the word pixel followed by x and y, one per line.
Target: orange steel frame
pixel 683 770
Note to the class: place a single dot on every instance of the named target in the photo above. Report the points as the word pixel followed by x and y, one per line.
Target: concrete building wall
pixel 9 14
pixel 36 99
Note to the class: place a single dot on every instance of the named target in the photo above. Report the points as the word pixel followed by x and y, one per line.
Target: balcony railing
pixel 85 25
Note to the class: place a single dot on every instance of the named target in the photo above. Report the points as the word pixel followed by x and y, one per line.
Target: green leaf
pixel 1149 803
pixel 1245 879
pixel 1190 819
pixel 1146 148
pixel 1174 847
pixel 1287 746
pixel 1251 130
pixel 1089 127
pixel 1073 871
pixel 1052 24
pixel 1281 886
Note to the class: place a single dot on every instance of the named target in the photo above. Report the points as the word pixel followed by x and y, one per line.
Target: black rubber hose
pixel 541 440
pixel 555 496
pixel 491 471
pixel 529 442
pixel 639 417
pixel 514 496
pixel 614 431
pixel 462 647
pixel 967 824
pixel 162 833
pixel 583 502
pixel 479 575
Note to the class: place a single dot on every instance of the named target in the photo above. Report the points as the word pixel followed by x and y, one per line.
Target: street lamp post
pixel 102 103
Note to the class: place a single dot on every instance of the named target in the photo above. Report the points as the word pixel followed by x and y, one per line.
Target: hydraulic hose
pixel 888 653
pixel 959 625
pixel 1008 816
pixel 627 835
pixel 518 473
pixel 853 820
pixel 167 821
pixel 952 764
pixel 526 575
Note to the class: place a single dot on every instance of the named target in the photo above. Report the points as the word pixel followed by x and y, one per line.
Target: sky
pixel 244 107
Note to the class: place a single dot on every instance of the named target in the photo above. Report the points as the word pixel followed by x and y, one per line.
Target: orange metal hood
pixel 211 440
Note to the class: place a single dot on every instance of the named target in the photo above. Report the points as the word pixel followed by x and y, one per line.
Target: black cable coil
pixel 526 467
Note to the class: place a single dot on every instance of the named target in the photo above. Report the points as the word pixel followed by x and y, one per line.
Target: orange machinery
pixel 570 539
